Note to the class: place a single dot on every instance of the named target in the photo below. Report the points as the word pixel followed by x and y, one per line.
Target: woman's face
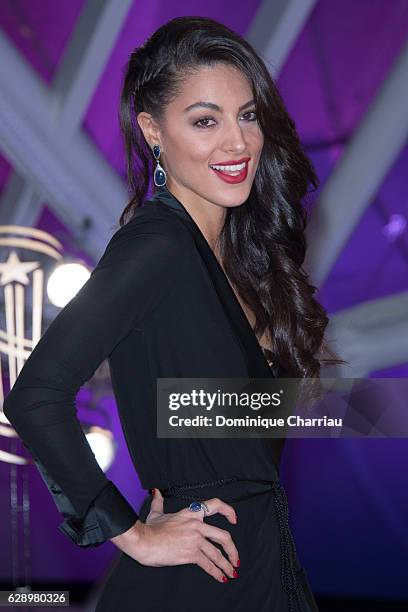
pixel 211 121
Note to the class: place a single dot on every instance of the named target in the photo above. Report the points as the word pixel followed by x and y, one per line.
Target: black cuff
pixel 109 515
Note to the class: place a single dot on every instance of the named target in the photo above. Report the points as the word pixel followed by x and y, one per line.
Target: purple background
pixel 348 499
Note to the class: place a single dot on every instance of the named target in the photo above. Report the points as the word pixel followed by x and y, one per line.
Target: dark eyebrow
pixel 215 106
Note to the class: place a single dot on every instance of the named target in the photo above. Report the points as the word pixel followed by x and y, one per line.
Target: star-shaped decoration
pixel 15 270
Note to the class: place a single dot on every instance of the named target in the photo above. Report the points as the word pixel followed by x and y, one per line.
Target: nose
pixel 233 138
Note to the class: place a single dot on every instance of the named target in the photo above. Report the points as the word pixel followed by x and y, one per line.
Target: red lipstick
pixel 231 162
pixel 227 176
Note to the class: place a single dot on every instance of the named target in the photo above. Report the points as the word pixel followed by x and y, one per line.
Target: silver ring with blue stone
pixel 196 506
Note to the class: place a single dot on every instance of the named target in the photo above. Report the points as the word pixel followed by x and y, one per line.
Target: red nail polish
pixel 238 563
pixel 152 491
pixel 224 579
pixel 235 574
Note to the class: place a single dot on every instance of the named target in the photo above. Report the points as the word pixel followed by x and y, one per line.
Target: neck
pixel 208 216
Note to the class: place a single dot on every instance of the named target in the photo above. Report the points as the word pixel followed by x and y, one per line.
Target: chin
pixel 234 198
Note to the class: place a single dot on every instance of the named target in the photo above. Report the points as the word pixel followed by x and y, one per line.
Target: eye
pixel 201 122
pixel 197 123
pixel 251 113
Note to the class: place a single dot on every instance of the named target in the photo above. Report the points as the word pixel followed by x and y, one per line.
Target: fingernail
pixel 152 491
pixel 224 579
pixel 235 574
pixel 238 563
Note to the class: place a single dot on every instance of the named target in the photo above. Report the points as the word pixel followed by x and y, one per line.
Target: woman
pixel 203 279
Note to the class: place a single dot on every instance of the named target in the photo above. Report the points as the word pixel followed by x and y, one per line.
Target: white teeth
pixel 235 168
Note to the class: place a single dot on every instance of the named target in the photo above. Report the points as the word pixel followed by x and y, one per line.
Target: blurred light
pixel 395 227
pixel 65 282
pixel 102 444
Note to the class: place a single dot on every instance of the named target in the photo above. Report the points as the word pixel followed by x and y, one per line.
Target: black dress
pixel 158 304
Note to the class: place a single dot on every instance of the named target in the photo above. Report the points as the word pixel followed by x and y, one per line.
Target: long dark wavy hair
pixel 262 242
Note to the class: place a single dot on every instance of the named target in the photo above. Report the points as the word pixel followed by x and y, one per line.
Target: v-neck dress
pixel 158 304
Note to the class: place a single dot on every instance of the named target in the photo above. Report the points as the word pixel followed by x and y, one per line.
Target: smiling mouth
pixel 230 169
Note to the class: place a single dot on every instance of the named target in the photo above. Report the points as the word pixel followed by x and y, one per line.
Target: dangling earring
pixel 159 175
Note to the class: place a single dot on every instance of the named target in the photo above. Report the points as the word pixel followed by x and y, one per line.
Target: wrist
pixel 131 535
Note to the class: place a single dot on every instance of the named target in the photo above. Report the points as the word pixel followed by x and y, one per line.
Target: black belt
pixel 289 566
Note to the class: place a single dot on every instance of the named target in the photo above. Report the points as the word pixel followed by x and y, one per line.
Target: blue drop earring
pixel 159 175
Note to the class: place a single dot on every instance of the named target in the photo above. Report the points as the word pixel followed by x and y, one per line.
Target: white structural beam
pixel 21 204
pixel 70 176
pixel 74 177
pixel 84 60
pixel 359 173
pixel 371 336
pixel 275 28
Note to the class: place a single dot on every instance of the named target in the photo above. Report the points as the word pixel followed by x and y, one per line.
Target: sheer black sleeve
pixel 131 278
